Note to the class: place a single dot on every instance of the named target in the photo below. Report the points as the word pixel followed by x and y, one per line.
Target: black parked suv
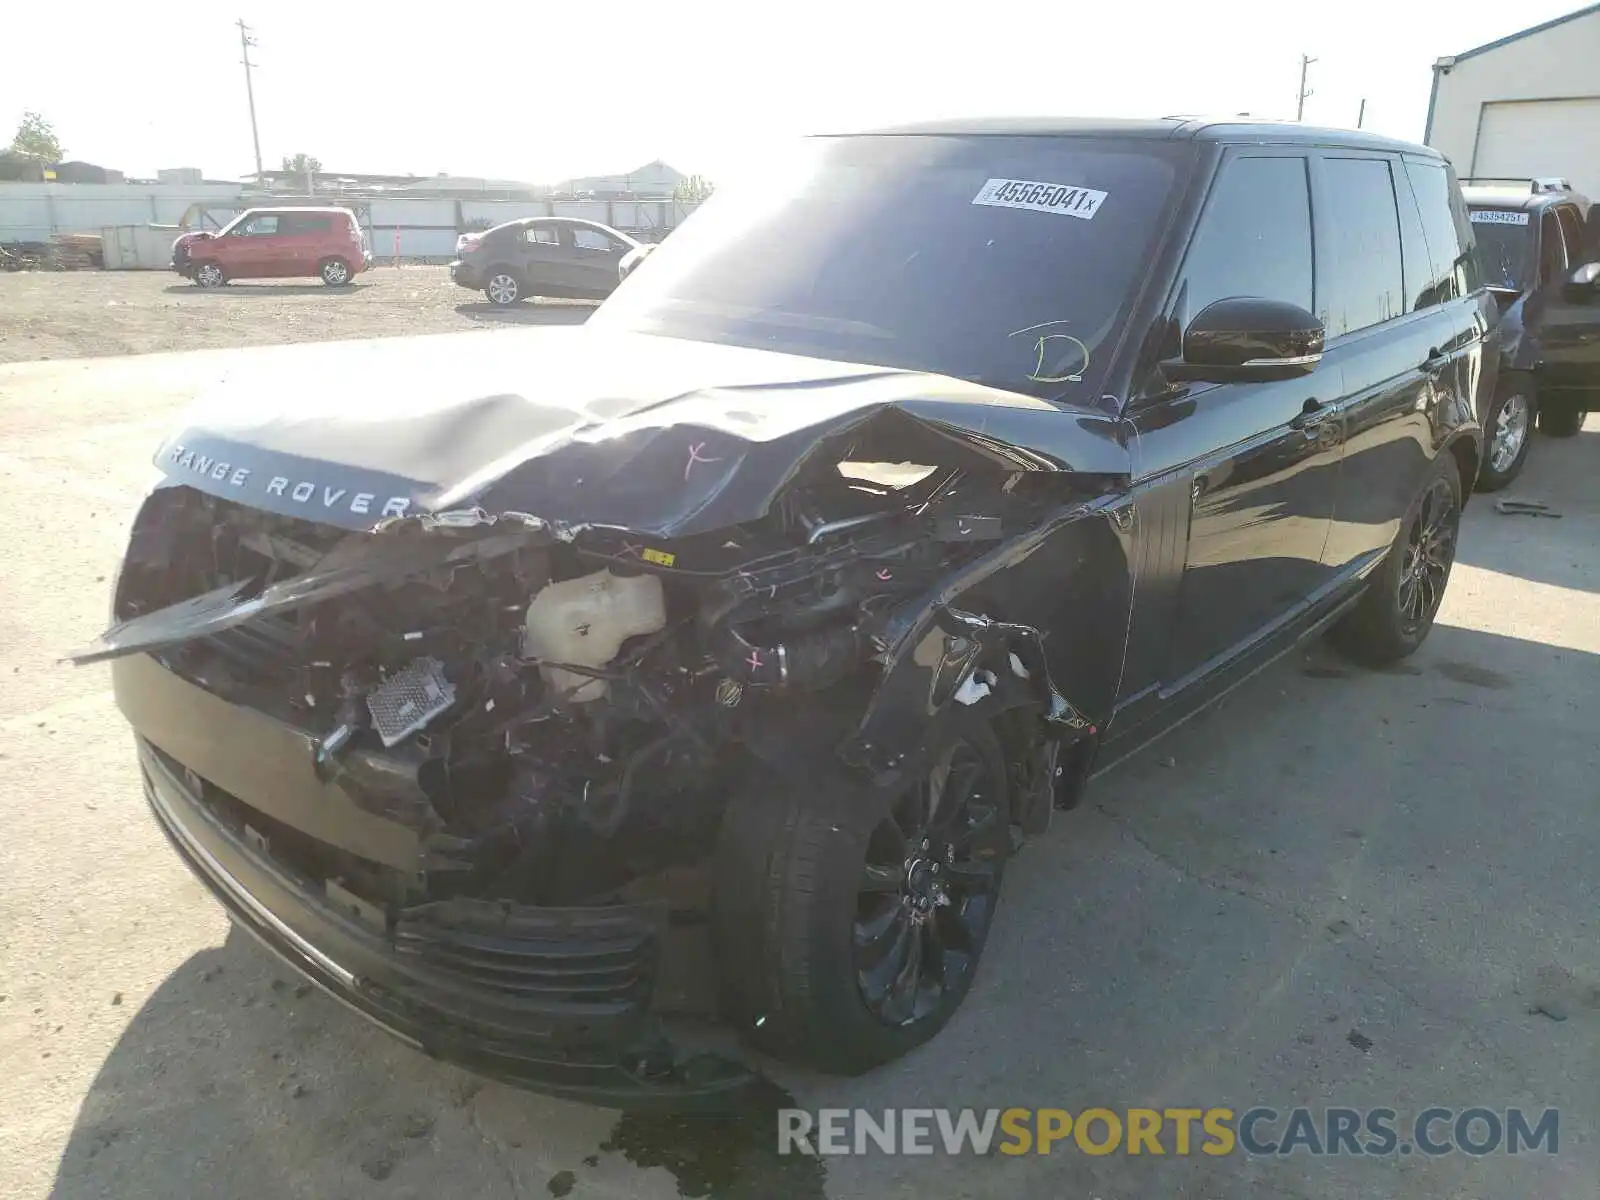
pixel 758 621
pixel 1536 242
pixel 542 256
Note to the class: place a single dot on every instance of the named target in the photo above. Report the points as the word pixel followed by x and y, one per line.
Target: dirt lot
pixel 1338 888
pixel 86 314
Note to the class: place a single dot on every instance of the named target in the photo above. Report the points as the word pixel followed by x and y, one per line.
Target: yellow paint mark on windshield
pixel 1041 348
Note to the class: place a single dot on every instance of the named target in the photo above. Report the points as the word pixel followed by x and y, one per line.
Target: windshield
pixel 1003 260
pixel 234 224
pixel 1505 247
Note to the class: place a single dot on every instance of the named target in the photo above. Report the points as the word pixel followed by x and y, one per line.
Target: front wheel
pixel 1560 420
pixel 848 923
pixel 209 275
pixel 1403 596
pixel 1509 424
pixel 335 272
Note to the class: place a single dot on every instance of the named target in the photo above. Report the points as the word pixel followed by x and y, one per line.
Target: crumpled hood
pixel 580 426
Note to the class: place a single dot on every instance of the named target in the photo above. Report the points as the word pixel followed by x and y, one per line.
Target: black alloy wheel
pixel 928 888
pixel 1430 551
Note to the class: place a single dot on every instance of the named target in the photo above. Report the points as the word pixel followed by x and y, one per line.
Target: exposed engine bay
pixel 560 712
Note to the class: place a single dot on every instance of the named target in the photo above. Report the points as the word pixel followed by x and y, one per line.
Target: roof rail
pixel 1534 184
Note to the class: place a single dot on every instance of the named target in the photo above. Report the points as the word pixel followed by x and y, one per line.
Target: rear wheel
pixel 848 924
pixel 503 288
pixel 1509 428
pixel 1403 596
pixel 209 275
pixel 335 272
pixel 1560 420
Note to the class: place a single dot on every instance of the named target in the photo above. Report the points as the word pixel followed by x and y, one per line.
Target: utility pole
pixel 1300 103
pixel 1361 115
pixel 246 40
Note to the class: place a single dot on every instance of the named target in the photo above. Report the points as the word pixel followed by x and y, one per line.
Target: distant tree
pixel 693 190
pixel 301 164
pixel 36 139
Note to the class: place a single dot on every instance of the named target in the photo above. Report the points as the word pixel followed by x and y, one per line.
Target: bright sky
pixel 541 92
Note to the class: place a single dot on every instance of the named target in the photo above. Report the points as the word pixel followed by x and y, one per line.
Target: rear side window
pixel 1413 248
pixel 303 223
pixel 593 239
pixel 1552 254
pixel 544 235
pixel 1362 280
pixel 1450 237
pixel 1254 238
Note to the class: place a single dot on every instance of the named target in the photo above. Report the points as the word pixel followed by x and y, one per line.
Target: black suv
pixel 1536 244
pixel 717 654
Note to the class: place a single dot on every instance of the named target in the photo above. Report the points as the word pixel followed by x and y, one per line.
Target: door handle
pixel 1435 362
pixel 1311 414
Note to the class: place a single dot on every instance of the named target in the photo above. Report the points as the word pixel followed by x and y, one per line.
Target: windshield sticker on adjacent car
pixel 1059 198
pixel 1497 216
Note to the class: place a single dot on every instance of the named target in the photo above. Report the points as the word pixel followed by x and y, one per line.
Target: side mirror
pixel 1245 339
pixel 1583 283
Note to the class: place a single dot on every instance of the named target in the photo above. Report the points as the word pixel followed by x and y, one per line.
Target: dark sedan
pixel 542 256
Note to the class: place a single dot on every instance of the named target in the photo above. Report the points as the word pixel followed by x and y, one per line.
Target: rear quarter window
pixel 1363 276
pixel 1445 224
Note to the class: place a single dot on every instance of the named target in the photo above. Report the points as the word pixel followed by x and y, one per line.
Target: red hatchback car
pixel 276 243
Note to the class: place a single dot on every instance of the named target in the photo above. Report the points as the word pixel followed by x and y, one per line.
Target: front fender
pixel 958 664
pixel 977 645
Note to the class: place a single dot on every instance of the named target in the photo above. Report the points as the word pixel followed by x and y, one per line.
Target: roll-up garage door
pixel 1524 139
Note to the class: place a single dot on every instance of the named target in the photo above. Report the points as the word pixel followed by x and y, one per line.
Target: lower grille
pixel 598 960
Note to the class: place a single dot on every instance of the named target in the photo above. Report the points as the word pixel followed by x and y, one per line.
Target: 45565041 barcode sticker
pixel 1062 199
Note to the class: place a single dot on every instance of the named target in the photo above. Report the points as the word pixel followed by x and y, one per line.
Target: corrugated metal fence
pixel 411 228
pixel 36 212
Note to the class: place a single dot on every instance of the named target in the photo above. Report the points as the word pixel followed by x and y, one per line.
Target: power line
pixel 246 40
pixel 1300 103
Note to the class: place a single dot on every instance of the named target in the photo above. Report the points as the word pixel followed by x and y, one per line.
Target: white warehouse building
pixel 1526 106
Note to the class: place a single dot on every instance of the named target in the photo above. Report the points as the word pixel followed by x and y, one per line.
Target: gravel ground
pixel 89 314
pixel 1339 887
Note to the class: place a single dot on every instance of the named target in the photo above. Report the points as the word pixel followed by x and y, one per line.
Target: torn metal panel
pixel 349 568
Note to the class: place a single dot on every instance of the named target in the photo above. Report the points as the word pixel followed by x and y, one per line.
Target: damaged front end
pixel 466 769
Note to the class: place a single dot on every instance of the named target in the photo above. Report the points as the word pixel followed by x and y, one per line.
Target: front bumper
pixel 466 275
pixel 556 1000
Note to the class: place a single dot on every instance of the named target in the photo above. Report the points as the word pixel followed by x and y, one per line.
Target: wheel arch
pixel 1467 449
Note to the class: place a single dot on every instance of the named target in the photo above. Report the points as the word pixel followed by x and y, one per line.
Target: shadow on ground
pixel 528 313
pixel 236 1078
pixel 265 287
pixel 1560 472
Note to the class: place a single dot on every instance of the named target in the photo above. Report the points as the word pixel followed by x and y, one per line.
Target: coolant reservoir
pixel 584 621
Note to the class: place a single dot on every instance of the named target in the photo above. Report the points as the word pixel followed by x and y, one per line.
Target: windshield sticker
pixel 1074 354
pixel 1498 216
pixel 1058 198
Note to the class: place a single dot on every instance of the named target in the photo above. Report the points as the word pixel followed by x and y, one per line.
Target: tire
pixel 1403 596
pixel 502 287
pixel 1508 431
pixel 335 272
pixel 823 890
pixel 1560 420
pixel 208 275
